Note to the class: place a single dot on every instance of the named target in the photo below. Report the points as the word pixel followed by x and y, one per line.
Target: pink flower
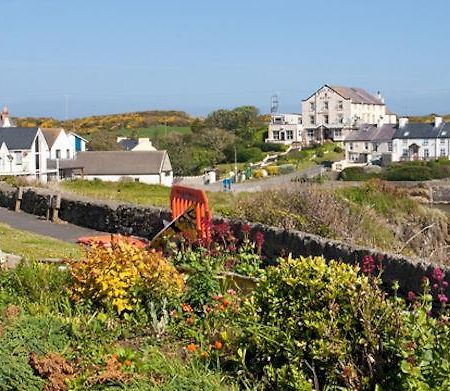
pixel 442 298
pixel 368 264
pixel 231 292
pixel 438 274
pixel 444 284
pixel 435 286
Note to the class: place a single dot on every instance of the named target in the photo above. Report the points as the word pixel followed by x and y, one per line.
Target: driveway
pixel 62 231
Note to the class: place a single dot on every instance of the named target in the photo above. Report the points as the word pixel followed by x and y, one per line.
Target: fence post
pixel 19 196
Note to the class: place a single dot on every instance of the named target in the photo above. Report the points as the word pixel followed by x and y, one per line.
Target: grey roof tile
pixel 18 138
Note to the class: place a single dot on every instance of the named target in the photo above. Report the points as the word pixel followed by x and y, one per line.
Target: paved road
pixel 274 182
pixel 62 231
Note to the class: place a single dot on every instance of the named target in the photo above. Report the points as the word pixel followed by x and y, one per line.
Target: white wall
pixel 153 179
pixel 63 144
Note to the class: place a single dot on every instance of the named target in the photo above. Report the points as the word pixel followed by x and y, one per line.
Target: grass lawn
pixel 140 193
pixel 155 131
pixel 34 247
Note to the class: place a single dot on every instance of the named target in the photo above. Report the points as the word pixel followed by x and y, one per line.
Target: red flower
pixel 245 228
pixel 368 264
pixel 186 307
pixel 259 239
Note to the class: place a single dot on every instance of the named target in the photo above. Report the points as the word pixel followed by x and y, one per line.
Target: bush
pixel 323 324
pixel 286 169
pixel 355 174
pixel 124 277
pixel 338 149
pixel 272 147
pixel 273 170
pixel 258 173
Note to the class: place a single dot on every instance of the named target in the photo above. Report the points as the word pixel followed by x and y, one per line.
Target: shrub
pixel 272 147
pixel 273 170
pixel 286 169
pixel 338 149
pixel 258 173
pixel 355 174
pixel 124 277
pixel 322 322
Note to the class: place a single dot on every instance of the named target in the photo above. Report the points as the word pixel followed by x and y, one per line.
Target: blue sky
pixel 108 56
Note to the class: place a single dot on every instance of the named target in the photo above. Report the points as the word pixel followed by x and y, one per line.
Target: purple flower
pixel 368 264
pixel 442 298
pixel 412 296
pixel 435 286
pixel 438 274
pixel 444 284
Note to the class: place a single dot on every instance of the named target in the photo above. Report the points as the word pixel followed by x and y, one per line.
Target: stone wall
pixel 147 221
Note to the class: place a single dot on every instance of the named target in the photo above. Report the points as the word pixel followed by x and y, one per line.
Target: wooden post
pixel 49 205
pixel 56 205
pixel 19 196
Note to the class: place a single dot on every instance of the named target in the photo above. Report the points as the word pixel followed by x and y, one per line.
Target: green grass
pixel 154 131
pixel 141 194
pixel 35 247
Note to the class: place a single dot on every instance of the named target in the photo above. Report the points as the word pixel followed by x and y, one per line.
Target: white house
pixel 285 129
pixel 23 152
pixel 332 112
pixel 59 143
pixel 141 144
pixel 78 143
pixel 421 141
pixel 151 167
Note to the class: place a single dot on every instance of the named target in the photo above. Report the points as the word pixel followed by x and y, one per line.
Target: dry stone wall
pixel 147 221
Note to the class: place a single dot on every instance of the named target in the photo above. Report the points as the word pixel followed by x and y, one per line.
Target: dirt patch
pixel 111 374
pixel 54 368
pixel 11 312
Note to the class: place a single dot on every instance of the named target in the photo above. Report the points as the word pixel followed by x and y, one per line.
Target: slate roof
pixel 128 144
pixel 51 134
pixel 372 133
pixel 421 131
pixel 119 162
pixel 357 95
pixel 18 138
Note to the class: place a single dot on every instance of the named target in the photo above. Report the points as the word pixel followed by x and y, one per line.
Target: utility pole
pixel 235 164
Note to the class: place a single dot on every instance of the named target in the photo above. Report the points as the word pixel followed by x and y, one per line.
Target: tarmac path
pixel 61 230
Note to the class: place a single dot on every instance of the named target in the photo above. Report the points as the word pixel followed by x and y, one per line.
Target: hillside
pixel 113 122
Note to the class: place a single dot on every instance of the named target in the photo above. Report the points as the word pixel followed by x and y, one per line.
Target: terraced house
pixel 332 112
pixel 421 141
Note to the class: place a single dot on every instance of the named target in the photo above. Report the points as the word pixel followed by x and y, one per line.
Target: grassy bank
pixel 35 247
pixel 141 194
pixel 154 131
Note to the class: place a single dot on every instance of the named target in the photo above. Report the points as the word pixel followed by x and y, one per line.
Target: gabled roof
pixel 421 131
pixel 372 133
pixel 51 134
pixel 18 138
pixel 78 136
pixel 354 94
pixel 120 162
pixel 128 144
pixel 357 95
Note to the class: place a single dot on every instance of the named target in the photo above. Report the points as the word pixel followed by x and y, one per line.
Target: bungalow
pixel 151 167
pixel 23 152
pixel 421 141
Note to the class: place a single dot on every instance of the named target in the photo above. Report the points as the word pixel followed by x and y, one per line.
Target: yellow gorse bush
pixel 122 276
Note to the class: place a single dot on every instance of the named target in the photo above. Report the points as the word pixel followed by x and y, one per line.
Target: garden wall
pixel 147 221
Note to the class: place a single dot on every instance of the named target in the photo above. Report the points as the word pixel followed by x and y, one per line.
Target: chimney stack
pixel 437 121
pixel 402 122
pixel 4 116
pixel 380 97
